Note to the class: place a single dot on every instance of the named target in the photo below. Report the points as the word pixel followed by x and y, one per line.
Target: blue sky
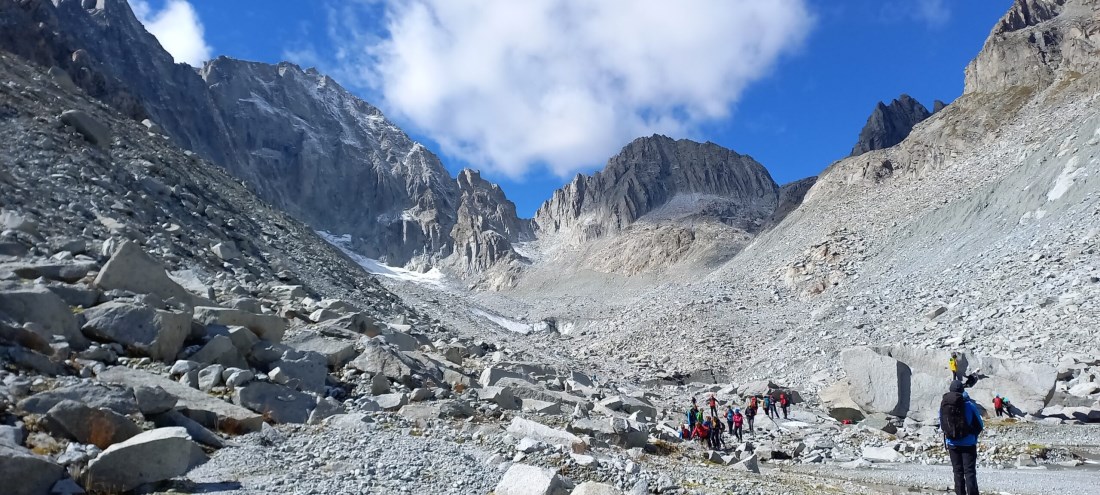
pixel 796 109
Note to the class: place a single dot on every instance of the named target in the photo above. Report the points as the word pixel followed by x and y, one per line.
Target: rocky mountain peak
pixel 649 173
pixel 890 124
pixel 485 227
pixel 1036 43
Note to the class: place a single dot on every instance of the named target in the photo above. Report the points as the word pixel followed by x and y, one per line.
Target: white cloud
pixel 933 12
pixel 177 28
pixel 564 84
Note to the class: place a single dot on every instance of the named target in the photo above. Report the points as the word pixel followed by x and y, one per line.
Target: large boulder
pixel 377 358
pixel 220 350
pixel 877 383
pixel 280 404
pixel 910 382
pixel 156 333
pixel 522 479
pixel 266 327
pixel 24 473
pixel 63 271
pixel 337 352
pixel 155 455
pixel 50 314
pixel 208 411
pixel 308 370
pixel 119 400
pixel 98 426
pixel 131 269
pixel 94 131
pixel 521 428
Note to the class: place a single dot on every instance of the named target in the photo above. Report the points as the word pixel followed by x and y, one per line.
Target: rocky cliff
pixel 890 124
pixel 1034 44
pixel 333 160
pixel 684 177
pixel 302 141
pixel 486 226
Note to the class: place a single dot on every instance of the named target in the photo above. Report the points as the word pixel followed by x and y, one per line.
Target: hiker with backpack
pixel 1010 410
pixel 773 404
pixel 716 442
pixel 738 420
pixel 961 423
pixel 700 432
pixel 953 365
pixel 691 414
pixel 729 417
pixel 784 403
pixel 999 405
pixel 750 415
pixel 768 406
pixel 713 403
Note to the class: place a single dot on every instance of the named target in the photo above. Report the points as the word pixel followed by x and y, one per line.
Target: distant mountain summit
pixel 658 175
pixel 891 124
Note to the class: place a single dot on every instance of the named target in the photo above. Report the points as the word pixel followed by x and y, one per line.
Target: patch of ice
pixel 342 242
pixel 1065 179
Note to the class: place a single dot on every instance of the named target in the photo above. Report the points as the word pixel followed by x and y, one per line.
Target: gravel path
pixel 346 457
pixel 937 479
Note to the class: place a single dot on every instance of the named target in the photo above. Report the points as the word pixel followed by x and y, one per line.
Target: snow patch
pixel 432 277
pixel 510 324
pixel 1064 180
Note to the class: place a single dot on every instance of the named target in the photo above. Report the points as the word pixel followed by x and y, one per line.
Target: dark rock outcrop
pixel 890 124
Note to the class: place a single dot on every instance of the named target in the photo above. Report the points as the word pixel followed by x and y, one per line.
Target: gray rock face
pixel 1024 50
pixel 153 332
pixel 118 400
pixel 36 474
pixel 48 312
pixel 485 227
pixel 207 410
pixel 909 382
pixel 522 479
pixel 650 172
pixel 131 269
pixel 99 427
pixel 281 404
pixel 155 455
pixel 342 166
pixel 890 124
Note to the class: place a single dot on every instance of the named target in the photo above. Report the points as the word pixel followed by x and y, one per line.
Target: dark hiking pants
pixel 786 411
pixel 963 460
pixel 737 433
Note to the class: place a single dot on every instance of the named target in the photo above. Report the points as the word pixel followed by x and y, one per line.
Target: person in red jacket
pixel 713 403
pixel 701 433
pixel 738 421
pixel 784 403
pixel 999 405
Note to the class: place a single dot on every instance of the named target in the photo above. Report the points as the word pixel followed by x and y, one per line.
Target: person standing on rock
pixel 729 417
pixel 738 420
pixel 961 423
pixel 693 416
pixel 713 403
pixel 999 405
pixel 773 406
pixel 784 403
pixel 953 365
pixel 768 406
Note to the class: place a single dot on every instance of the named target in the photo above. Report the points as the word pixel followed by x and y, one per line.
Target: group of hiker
pixel 708 429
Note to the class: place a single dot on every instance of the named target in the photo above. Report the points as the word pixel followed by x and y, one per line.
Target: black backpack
pixel 953 420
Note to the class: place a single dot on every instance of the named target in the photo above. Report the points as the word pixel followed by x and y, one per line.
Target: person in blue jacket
pixel 961 422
